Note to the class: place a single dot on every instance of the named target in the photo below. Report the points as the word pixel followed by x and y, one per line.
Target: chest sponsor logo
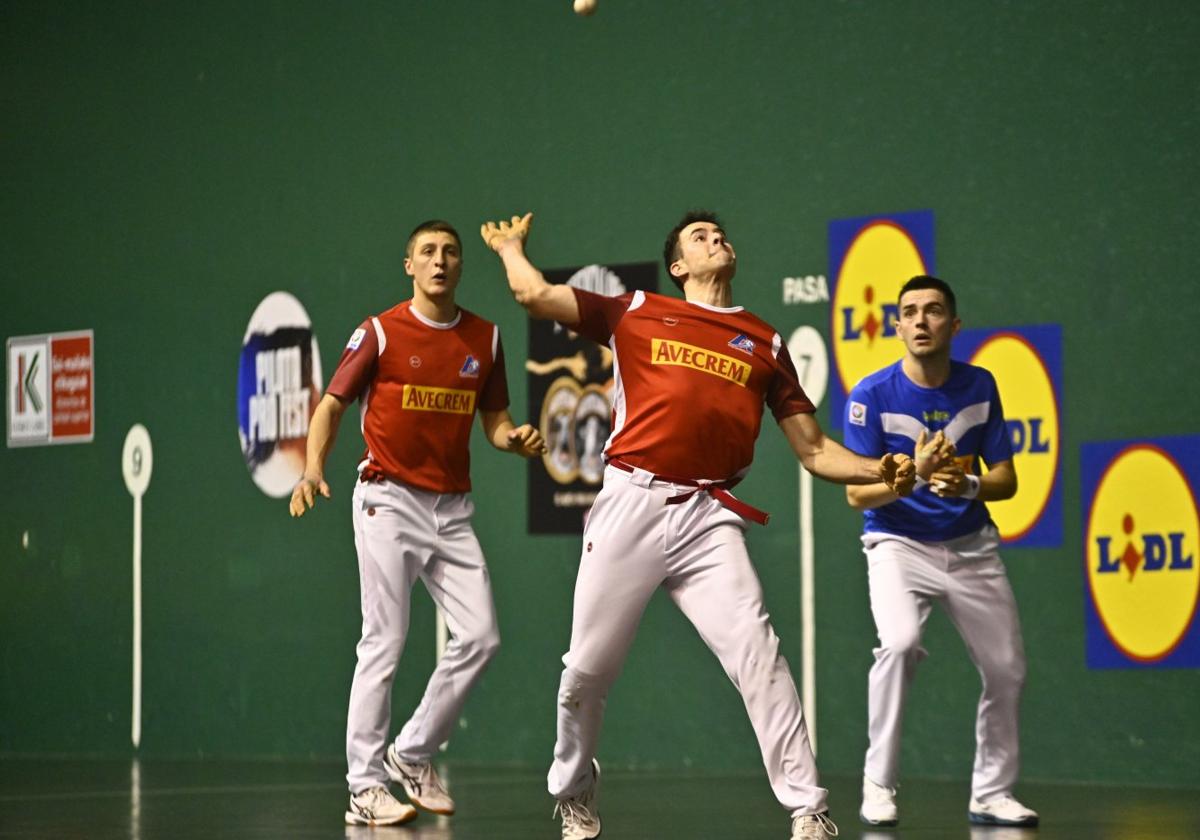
pixel 470 368
pixel 741 342
pixel 664 352
pixel 445 400
pixel 1142 541
pixel 870 259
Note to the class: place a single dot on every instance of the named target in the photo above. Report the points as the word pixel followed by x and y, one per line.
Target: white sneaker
pixel 1003 810
pixel 814 827
pixel 377 806
pixel 878 804
pixel 580 818
pixel 420 782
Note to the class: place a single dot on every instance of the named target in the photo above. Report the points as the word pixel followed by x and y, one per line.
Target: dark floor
pixel 158 800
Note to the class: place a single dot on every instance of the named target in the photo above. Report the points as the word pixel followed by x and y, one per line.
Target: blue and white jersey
pixel 886 412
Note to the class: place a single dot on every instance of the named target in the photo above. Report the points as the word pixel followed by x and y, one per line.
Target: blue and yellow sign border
pixel 1095 459
pixel 918 225
pixel 1046 342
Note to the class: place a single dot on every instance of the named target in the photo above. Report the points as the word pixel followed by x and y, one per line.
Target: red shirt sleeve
pixel 784 395
pixel 599 314
pixel 493 396
pixel 356 368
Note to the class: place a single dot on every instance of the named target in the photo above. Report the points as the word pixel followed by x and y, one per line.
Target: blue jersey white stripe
pixel 887 411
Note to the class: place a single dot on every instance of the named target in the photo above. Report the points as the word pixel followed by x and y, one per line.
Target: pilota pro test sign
pixel 50 389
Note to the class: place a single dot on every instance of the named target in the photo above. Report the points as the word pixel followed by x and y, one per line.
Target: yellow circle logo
pixel 878 262
pixel 1143 533
pixel 1031 411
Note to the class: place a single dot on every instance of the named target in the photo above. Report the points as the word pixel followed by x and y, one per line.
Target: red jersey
pixel 420 383
pixel 690 382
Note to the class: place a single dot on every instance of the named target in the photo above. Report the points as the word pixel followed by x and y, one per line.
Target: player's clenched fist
pixel 495 234
pixel 304 495
pixel 899 473
pixel 952 482
pixel 526 441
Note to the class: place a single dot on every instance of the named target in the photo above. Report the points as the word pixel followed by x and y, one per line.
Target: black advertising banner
pixel 570 397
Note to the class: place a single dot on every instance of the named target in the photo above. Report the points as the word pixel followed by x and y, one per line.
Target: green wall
pixel 167 165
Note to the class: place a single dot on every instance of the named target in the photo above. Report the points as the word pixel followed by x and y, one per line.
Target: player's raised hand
pixel 899 473
pixel 931 454
pixel 526 441
pixel 495 234
pixel 304 494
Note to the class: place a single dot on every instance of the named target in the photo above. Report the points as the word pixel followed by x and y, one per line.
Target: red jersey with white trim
pixel 690 382
pixel 420 383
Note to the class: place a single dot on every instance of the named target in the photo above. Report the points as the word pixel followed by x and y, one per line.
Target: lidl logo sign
pixel 1027 365
pixel 870 258
pixel 1141 552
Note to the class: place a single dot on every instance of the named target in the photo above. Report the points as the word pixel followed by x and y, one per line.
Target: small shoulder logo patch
pixel 740 342
pixel 470 367
pixel 355 339
pixel 858 413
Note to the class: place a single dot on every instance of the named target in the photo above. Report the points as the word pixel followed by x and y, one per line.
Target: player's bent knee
pixel 488 644
pixel 1008 673
pixel 757 658
pixel 576 688
pixel 480 646
pixel 600 669
pixel 379 652
pixel 904 645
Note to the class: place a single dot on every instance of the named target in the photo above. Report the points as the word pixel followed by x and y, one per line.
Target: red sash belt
pixel 371 473
pixel 719 490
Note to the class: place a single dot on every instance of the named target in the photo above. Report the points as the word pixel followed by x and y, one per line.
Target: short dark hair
pixel 927 281
pixel 431 225
pixel 671 250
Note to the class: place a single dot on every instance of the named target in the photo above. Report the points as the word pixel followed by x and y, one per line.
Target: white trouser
pixel 633 543
pixel 966 576
pixel 403 533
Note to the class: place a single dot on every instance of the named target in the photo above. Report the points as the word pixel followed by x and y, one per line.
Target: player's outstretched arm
pixel 322 431
pixel 502 433
pixel 825 458
pixel 540 299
